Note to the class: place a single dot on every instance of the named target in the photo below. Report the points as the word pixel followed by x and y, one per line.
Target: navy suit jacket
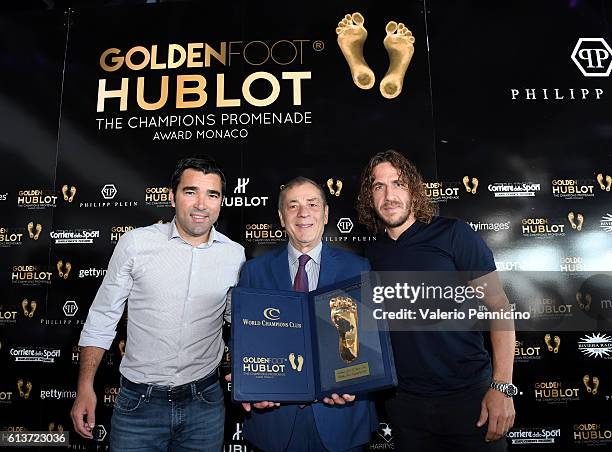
pixel 339 427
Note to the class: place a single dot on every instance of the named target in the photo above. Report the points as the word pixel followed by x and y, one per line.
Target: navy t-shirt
pixel 432 362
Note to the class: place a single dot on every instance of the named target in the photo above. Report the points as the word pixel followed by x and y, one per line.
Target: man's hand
pixel 499 410
pixel 84 407
pixel 335 399
pixel 259 405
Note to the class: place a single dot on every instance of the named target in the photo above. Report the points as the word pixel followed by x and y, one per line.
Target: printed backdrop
pixel 504 108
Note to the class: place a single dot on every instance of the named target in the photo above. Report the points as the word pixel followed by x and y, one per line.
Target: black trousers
pixel 436 424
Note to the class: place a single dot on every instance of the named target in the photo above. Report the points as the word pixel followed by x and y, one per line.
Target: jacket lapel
pixel 328 270
pixel 280 270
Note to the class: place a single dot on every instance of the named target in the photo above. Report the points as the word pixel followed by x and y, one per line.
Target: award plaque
pixel 300 347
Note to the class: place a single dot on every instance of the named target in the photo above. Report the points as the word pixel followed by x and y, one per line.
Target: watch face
pixel 512 390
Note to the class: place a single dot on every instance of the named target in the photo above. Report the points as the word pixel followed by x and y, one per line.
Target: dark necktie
pixel 300 284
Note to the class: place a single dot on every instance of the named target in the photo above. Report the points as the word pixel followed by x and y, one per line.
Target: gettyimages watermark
pixel 479 301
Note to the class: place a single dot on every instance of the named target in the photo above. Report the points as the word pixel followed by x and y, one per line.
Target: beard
pixel 399 221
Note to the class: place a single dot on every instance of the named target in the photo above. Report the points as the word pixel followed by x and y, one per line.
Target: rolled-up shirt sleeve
pixel 107 308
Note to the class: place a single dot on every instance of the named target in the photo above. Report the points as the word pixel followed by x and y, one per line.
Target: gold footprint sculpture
pixel 399 43
pixel 351 37
pixel 344 316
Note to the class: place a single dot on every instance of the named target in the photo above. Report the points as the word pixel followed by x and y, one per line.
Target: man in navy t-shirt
pixel 450 395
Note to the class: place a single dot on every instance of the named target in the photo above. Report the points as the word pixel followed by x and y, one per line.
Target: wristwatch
pixel 508 389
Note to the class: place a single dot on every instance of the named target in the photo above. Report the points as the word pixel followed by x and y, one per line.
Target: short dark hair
pixel 422 207
pixel 200 162
pixel 296 182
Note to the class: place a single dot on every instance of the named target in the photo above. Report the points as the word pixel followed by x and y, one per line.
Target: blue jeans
pixel 189 417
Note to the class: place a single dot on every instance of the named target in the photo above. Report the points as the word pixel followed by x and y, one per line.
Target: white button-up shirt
pixel 177 299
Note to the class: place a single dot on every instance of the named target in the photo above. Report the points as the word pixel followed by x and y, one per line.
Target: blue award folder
pixel 300 347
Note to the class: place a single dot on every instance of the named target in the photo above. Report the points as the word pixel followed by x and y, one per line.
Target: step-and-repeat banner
pixel 505 110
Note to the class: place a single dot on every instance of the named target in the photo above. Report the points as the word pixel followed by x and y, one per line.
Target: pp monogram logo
pixel 591 385
pixel 108 191
pixel 292 361
pixel 334 187
pixel 608 181
pixel 345 225
pixel 29 307
pixel 593 56
pixel 34 231
pixel 470 187
pixel 99 432
pixel 69 193
pixel 24 388
pixel 70 308
pixel 575 220
pixel 63 269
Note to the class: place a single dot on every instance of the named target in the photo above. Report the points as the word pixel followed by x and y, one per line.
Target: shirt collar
pixel 315 253
pixel 215 236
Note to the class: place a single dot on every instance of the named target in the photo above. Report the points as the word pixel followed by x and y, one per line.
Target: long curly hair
pixel 422 207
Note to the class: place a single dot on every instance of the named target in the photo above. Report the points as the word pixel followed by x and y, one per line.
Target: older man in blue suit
pixel 339 423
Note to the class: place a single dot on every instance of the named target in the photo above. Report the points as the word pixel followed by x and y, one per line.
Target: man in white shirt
pixel 176 277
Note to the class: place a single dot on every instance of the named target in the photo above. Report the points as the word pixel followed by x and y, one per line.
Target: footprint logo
pixel 608 181
pixel 398 42
pixel 28 388
pixel 63 270
pixel 584 301
pixel 337 184
pixel 60 427
pixel 595 385
pixel 68 193
pixel 591 388
pixel 470 187
pixel 344 316
pixel 579 220
pixel 292 361
pixel 29 307
pixel 553 343
pixel 34 232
